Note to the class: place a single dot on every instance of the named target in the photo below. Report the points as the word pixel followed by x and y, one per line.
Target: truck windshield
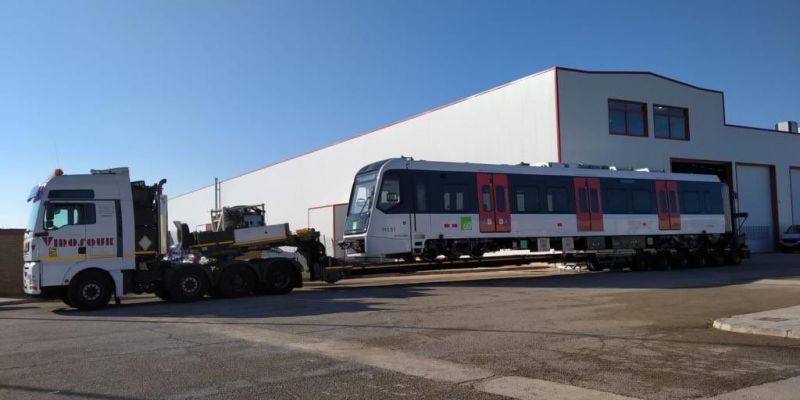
pixel 33 216
pixel 361 198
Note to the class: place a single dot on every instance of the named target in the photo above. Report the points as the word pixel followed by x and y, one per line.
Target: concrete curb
pixel 784 323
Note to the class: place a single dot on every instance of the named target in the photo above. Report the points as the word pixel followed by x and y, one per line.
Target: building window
pixel 627 118
pixel 671 122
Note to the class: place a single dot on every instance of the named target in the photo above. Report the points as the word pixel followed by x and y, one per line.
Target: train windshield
pixel 363 190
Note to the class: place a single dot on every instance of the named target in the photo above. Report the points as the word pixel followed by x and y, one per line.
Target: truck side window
pixel 59 215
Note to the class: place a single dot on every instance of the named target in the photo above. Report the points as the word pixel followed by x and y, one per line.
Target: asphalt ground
pixel 531 333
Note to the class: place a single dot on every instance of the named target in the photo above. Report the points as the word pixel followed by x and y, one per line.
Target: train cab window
pixel 486 195
pixel 526 199
pixel 453 197
pixel 557 200
pixel 59 215
pixel 500 197
pixel 642 201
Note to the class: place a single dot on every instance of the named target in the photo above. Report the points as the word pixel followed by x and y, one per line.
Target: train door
pixel 669 212
pixel 494 212
pixel 588 204
pixel 421 217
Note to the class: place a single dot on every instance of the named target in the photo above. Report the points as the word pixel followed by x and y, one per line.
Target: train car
pixel 405 209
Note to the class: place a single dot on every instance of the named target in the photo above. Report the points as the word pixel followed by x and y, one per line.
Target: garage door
pixel 754 186
pixel 795 176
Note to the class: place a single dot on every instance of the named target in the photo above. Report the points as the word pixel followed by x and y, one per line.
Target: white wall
pixel 509 124
pixel 583 99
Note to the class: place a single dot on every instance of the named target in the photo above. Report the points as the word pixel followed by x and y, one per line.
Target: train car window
pixel 453 197
pixel 690 202
pixel 500 197
pixel 673 201
pixel 595 199
pixel 390 194
pixel 526 199
pixel 642 201
pixel 582 205
pixel 486 195
pixel 616 201
pixel 421 196
pixel 557 200
pixel 662 198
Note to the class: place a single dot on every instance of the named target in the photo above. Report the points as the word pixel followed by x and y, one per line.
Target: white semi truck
pixel 91 236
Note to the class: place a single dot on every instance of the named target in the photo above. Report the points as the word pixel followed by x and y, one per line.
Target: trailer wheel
pixel 715 259
pixel 679 261
pixel 697 261
pixel 236 281
pixel 661 262
pixel 733 258
pixel 279 279
pixel 90 290
pixel 188 284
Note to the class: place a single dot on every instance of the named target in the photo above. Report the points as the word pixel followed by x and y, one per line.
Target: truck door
pixel 103 239
pixel 669 213
pixel 493 207
pixel 588 204
pixel 65 228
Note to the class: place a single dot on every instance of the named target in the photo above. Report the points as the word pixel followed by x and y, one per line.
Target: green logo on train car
pixel 466 223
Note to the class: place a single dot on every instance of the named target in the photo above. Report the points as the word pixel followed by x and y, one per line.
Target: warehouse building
pixel 624 119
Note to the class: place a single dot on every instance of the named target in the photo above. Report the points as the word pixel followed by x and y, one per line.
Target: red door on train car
pixel 669 211
pixel 494 212
pixel 588 204
pixel 502 209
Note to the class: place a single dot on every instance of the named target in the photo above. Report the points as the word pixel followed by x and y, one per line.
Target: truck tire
pixel 188 284
pixel 236 281
pixel 64 296
pixel 279 279
pixel 90 290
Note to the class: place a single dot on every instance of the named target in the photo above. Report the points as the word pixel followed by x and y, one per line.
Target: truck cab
pixel 86 225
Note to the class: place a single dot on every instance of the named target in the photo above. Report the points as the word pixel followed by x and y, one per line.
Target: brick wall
pixel 11 262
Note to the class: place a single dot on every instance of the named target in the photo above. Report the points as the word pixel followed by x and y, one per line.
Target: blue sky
pixel 190 90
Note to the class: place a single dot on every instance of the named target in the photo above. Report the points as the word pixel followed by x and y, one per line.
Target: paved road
pixel 577 336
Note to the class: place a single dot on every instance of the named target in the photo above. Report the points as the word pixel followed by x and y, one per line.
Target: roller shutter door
pixel 795 177
pixel 754 186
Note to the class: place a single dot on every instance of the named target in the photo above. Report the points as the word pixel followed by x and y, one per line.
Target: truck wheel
pixel 90 290
pixel 236 281
pixel 188 284
pixel 279 279
pixel 64 296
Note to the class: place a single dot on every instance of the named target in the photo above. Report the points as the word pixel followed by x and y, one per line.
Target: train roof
pixel 547 169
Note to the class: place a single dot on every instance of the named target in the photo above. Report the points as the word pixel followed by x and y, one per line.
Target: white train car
pixel 406 209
